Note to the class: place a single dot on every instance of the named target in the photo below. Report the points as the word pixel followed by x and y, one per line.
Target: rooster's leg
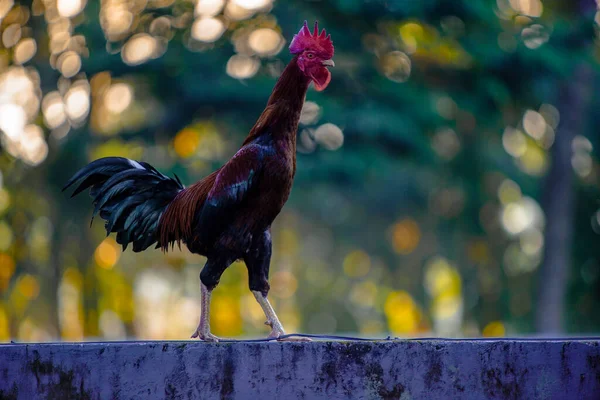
pixel 258 261
pixel 209 279
pixel 203 330
pixel 272 320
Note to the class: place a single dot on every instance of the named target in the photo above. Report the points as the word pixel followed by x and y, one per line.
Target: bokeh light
pixel 208 30
pixel 530 8
pixel 330 136
pixel 139 49
pixel 406 236
pixel 242 67
pixel 494 329
pixel 25 50
pixel 266 42
pixel 70 8
pixel 396 66
pixel 107 253
pixel 402 312
pixel 77 101
pixel 209 8
pixel 118 97
pixel 357 264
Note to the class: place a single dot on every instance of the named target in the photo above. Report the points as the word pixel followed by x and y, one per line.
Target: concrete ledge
pixel 405 369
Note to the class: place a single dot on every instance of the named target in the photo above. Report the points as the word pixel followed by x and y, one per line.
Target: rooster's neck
pixel 280 117
pixel 290 88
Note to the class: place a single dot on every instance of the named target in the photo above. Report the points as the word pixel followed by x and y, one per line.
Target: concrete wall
pixel 416 369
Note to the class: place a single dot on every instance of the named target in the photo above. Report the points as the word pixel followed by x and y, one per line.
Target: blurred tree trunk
pixel 558 200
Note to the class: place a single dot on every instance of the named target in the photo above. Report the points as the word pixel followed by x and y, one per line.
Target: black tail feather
pixel 130 196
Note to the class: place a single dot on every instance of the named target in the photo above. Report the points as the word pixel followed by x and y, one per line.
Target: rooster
pixel 227 215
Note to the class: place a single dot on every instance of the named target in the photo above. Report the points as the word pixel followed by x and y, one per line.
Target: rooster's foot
pixel 206 336
pixel 277 332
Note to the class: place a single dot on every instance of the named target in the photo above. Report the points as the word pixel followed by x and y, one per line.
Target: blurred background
pixel 447 183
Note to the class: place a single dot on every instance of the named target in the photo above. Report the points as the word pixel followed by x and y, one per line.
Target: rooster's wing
pixel 234 184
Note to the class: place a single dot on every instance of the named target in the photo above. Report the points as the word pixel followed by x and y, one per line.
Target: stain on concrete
pixel 11 394
pixel 375 376
pixel 593 361
pixel 564 362
pixel 39 367
pixel 328 374
pixel 177 383
pixel 55 382
pixel 227 376
pixel 502 383
pixel 434 371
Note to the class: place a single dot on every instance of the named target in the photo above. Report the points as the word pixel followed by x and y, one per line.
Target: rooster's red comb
pixel 305 40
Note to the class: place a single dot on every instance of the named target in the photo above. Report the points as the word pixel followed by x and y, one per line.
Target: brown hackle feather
pixel 176 224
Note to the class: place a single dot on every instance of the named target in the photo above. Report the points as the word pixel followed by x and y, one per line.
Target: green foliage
pixel 422 214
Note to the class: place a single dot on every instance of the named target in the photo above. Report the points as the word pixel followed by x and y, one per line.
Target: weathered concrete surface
pixel 415 369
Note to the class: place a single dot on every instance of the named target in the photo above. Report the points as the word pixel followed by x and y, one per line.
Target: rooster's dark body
pixel 227 215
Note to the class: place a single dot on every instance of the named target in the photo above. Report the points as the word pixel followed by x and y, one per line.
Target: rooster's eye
pixel 310 55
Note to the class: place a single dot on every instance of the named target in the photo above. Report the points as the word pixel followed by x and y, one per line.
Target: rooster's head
pixel 315 53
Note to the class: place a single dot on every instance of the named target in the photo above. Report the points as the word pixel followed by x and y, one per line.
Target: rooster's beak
pixel 328 63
